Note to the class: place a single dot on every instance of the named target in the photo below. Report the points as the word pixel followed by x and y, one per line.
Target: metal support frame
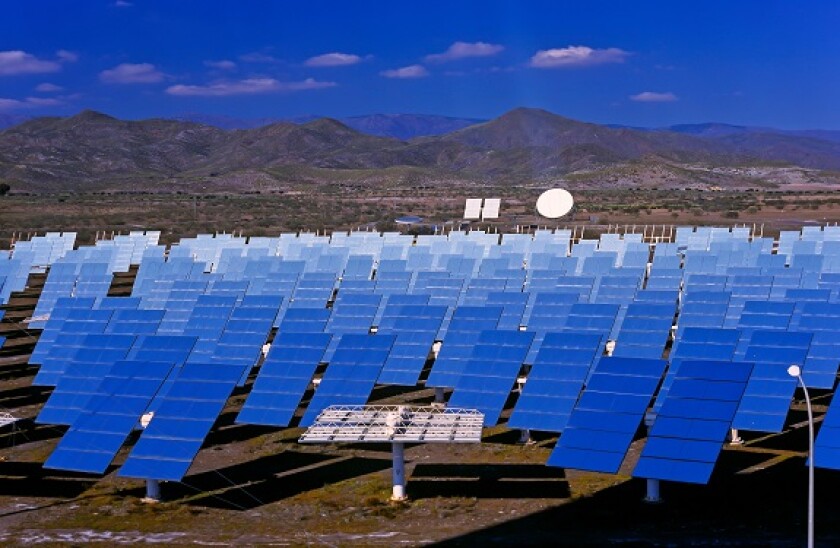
pixel 734 438
pixel 525 436
pixel 398 473
pixel 152 491
pixel 652 496
pixel 397 425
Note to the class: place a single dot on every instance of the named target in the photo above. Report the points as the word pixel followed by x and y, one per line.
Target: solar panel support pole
pixel 525 437
pixel 439 394
pixel 734 438
pixel 152 491
pixel 652 496
pixel 398 474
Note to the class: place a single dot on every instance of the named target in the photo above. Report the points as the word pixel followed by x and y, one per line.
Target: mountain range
pixel 399 126
pixel 92 150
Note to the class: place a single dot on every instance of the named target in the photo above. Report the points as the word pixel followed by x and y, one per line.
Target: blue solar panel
pixel 698 343
pixel 117 303
pixel 555 381
pixel 693 422
pixel 169 444
pixel 283 378
pixel 645 330
pixel 549 316
pixel 134 322
pixel 407 299
pixel 467 322
pixel 81 377
pixel 513 308
pixel 605 419
pixel 352 373
pixel 765 315
pixel 352 314
pixel 488 376
pixel 591 317
pixel 109 416
pixel 453 356
pixel 262 301
pixel 475 318
pixel 61 311
pixel 820 369
pixel 80 350
pixel 260 314
pixel 203 327
pixel 304 320
pixel 827 444
pixel 400 318
pixel 408 356
pixel 770 389
pixel 161 348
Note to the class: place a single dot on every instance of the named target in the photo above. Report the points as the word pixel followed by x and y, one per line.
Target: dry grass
pixel 319 208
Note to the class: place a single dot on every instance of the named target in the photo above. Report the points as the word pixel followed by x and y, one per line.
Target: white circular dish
pixel 554 203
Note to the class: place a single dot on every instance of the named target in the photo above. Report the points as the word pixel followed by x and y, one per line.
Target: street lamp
pixel 796 372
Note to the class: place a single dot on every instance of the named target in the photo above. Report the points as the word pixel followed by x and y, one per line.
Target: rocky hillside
pixel 92 149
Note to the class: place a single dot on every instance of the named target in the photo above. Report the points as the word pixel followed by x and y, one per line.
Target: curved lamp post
pixel 796 372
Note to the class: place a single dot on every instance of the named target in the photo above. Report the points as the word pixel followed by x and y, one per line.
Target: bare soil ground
pixel 338 207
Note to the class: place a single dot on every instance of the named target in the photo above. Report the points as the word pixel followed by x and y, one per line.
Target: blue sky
pixel 772 63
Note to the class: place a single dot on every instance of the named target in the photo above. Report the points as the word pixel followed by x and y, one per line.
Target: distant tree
pixel 4 189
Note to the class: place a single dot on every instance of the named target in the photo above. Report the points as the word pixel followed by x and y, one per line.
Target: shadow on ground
pixel 497 481
pixel 766 507
pixel 268 479
pixel 31 479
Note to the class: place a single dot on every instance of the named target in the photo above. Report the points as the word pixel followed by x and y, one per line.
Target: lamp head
pixel 794 370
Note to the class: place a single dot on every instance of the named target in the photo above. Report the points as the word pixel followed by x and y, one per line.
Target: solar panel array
pixel 690 429
pixel 284 377
pixel 186 414
pixel 610 409
pixel 489 374
pixel 110 414
pixel 486 312
pixel 352 373
pixel 555 381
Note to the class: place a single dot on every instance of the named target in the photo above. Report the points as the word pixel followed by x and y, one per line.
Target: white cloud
pixel 654 97
pixel 223 64
pixel 19 62
pixel 46 87
pixel 67 56
pixel 30 102
pixel 250 86
pixel 131 73
pixel 42 101
pixel 334 59
pixel 463 50
pixel 257 57
pixel 411 71
pixel 577 56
